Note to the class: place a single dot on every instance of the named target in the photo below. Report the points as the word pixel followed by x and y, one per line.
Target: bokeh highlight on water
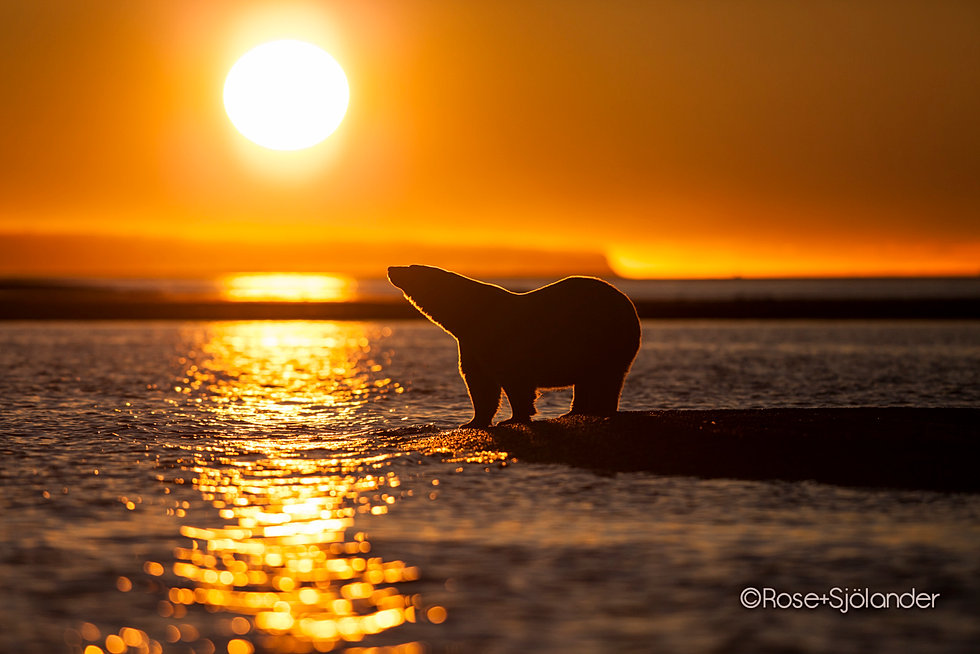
pixel 238 487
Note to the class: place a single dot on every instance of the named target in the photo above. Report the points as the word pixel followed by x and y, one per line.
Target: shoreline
pixel 901 448
pixel 19 306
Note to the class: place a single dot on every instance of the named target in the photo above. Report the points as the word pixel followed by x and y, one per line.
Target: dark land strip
pixel 43 306
pixel 904 448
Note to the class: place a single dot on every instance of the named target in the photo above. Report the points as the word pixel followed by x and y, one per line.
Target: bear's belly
pixel 541 373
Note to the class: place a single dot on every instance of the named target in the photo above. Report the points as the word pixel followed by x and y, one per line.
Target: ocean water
pixel 253 486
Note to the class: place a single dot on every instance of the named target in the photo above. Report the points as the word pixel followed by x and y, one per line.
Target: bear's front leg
pixel 484 393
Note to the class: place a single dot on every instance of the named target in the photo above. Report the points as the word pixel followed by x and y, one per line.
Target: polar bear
pixel 579 331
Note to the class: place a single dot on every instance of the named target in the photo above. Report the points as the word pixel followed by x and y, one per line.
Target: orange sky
pixel 686 138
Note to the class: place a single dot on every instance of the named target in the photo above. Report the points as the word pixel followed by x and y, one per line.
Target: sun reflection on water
pixel 271 548
pixel 261 373
pixel 286 561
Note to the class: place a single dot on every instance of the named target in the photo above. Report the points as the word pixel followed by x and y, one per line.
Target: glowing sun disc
pixel 286 95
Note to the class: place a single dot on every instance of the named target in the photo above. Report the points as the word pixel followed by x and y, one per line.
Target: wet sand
pixel 905 448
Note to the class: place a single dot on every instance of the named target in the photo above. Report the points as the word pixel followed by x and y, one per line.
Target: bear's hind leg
pixel 597 397
pixel 521 400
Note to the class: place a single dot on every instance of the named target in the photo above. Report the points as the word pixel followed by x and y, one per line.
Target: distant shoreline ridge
pixel 22 306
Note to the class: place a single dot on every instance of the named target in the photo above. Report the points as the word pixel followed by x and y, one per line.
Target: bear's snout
pixel 395 274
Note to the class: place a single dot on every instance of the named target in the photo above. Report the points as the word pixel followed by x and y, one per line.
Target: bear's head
pixel 451 301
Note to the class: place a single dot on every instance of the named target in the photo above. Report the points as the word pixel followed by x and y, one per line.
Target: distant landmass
pixel 373 298
pixel 122 277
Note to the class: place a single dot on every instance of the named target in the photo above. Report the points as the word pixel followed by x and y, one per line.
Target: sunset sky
pixel 678 139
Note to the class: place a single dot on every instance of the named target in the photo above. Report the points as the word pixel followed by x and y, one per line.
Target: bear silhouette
pixel 579 331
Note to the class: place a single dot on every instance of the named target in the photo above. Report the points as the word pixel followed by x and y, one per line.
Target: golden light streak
pixel 742 258
pixel 288 287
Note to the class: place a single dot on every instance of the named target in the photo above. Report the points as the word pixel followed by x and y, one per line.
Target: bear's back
pixel 576 295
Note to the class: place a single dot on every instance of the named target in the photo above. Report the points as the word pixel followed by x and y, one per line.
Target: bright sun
pixel 286 95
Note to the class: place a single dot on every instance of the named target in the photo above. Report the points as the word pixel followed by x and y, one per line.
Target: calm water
pixel 237 487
